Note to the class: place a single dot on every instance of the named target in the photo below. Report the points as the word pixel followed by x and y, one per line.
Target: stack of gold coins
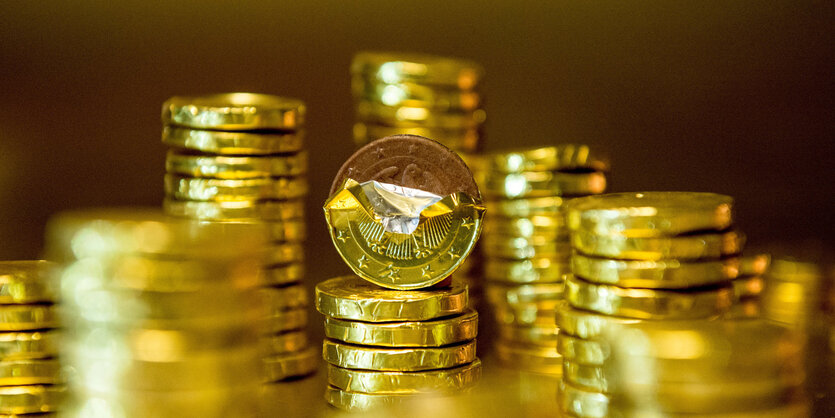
pixel 161 314
pixel 793 292
pixel 31 381
pixel 526 245
pixel 240 157
pixel 700 368
pixel 426 95
pixel 401 326
pixel 749 285
pixel 640 256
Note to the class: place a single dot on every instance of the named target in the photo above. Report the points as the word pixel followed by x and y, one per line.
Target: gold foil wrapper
pixel 582 403
pixel 279 254
pixel 238 401
pixel 444 237
pixel 235 167
pixel 536 206
pixel 589 377
pixel 389 68
pixel 234 112
pixel 431 333
pixel 654 274
pixel 543 184
pixel 287 231
pixel 354 299
pixel 16 400
pixel 224 190
pixel 26 282
pixel 30 372
pixel 29 345
pixel 282 321
pixel 564 157
pixel 690 247
pixel 289 365
pixel 282 275
pixel 544 295
pixel 284 343
pixel 432 381
pixel 585 324
pixel 278 299
pixel 155 344
pixel 536 270
pixel 648 303
pixel 397 359
pixel 243 210
pixel 232 142
pixel 534 359
pixel 407 117
pixel 582 351
pixel 27 317
pixel 410 94
pixel 357 402
pixel 538 335
pixel 520 248
pixel 544 226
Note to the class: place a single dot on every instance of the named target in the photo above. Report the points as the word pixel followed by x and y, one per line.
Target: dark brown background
pixel 733 97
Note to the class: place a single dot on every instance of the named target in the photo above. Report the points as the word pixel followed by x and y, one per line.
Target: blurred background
pixel 730 97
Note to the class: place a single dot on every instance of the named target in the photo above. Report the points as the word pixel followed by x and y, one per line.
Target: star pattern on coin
pixel 468 224
pixel 390 271
pixel 362 262
pixel 426 271
pixel 453 255
pixel 342 236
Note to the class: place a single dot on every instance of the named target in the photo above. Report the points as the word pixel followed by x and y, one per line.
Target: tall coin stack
pixel 403 213
pixel 240 157
pixel 639 256
pixel 161 314
pixel 526 245
pixel 31 381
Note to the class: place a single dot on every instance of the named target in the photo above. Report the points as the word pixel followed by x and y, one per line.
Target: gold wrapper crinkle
pixel 235 167
pixel 27 317
pixel 409 116
pixel 648 303
pixel 585 324
pixel 564 157
pixel 650 214
pixel 582 351
pixel 584 376
pixel 410 94
pixel 29 344
pixel 582 403
pixel 242 210
pixel 285 342
pixel 388 67
pixel 352 298
pixel 30 372
pixel 234 112
pixel 391 382
pixel 444 233
pixel 431 333
pixel 17 400
pixel 689 247
pixel 233 143
pixel 397 359
pixel 535 359
pixel 662 274
pixel 289 365
pixel 543 184
pixel 26 282
pixel 536 270
pixel 225 190
pixel 356 402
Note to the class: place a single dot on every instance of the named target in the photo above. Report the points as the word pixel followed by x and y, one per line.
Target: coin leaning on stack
pixel 31 380
pixel 526 245
pixel 161 314
pixel 653 256
pixel 400 327
pixel 240 157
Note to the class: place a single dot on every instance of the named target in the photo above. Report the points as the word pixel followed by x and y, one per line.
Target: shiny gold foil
pixel 654 274
pixel 426 69
pixel 282 275
pixel 564 157
pixel 406 117
pixel 235 167
pixel 397 359
pixel 289 365
pixel 29 345
pixel 582 403
pixel 284 210
pixel 432 381
pixel 536 206
pixel 518 248
pixel 526 314
pixel 544 295
pixel 232 143
pixel 718 399
pixel 545 226
pixel 585 324
pixel 357 402
pixel 239 401
pixel 581 351
pixel 279 299
pixel 279 254
pixel 27 317
pixel 647 303
pixel 431 333
pixel 411 94
pixel 588 377
pixel 536 270
pixel 26 282
pixel 287 231
pixel 222 190
pixel 651 214
pixel 689 247
pixel 30 372
pixel 283 343
pixel 535 359
pixel 234 112
pixel 533 334
pixel 31 399
pixel 444 237
pixel 288 320
pixel 462 140
pixel 531 184
pixel 155 344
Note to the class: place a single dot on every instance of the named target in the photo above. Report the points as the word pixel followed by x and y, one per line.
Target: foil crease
pixel 398 359
pixel 405 334
pixel 435 381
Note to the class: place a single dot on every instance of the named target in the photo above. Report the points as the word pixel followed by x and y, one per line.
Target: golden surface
pixel 156 344
pixel 542 184
pixel 285 298
pixel 235 167
pixel 461 140
pixel 526 314
pixel 388 67
pixel 647 303
pixel 545 206
pixel 26 282
pixel 288 320
pixel 237 401
pixel 537 270
pixel 552 227
pixel 411 94
pixel 581 351
pixel 291 230
pixel 221 190
pixel 29 345
pixel 288 365
pixel 432 333
pixel 748 287
pixel 27 317
pixel 447 232
pixel 651 214
pixel 279 254
pixel 397 359
pixel 284 210
pixel 754 265
pixel 582 403
pixel 519 248
pixel 352 298
pixel 357 402
pixel 232 143
pixel 534 359
pixel 432 381
pixel 534 334
pixel 544 295
pixel 286 342
pixel 281 275
pixel 30 372
pixel 588 377
pixel 418 117
pixel 661 274
pixel 30 399
pixel 564 157
pixel 585 324
pixel 690 247
pixel 234 112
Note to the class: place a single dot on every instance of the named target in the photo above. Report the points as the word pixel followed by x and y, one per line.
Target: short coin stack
pixel 30 374
pixel 426 95
pixel 239 157
pixel 749 285
pixel 640 256
pixel 526 245
pixel 161 314
pixel 401 326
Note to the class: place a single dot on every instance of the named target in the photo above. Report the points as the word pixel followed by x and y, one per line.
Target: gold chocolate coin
pixel 543 184
pixel 242 210
pixel 582 403
pixel 647 303
pixel 235 167
pixel 584 376
pixel 285 342
pixel 544 295
pixel 582 351
pixel 287 231
pixel 232 143
pixel 282 275
pixel 526 314
pixel 356 402
pixel 411 94
pixel 518 208
pixel 544 360
pixel 552 227
pixel 404 116
pixel 25 282
pixel 30 372
pixel 28 345
pixel 538 335
pixel 689 247
pixel 748 287
pixel 565 157
pixel 221 190
pixel 284 253
pixel 240 400
pixel 431 333
pixel 397 359
pixel 282 321
pixel 234 112
pixel 284 298
pixel 535 270
pixel 289 365
pixel 15 400
pixel 425 69
pixel 663 274
pixel 585 324
pixel 27 317
pixel 519 248
pixel 394 382
pixel 651 214
pixel 351 298
pixel 754 265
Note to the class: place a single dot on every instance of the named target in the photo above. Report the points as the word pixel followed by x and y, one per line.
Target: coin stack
pixel 239 157
pixel 749 285
pixel 31 381
pixel 426 95
pixel 793 292
pixel 639 256
pixel 401 326
pixel 161 314
pixel 526 245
